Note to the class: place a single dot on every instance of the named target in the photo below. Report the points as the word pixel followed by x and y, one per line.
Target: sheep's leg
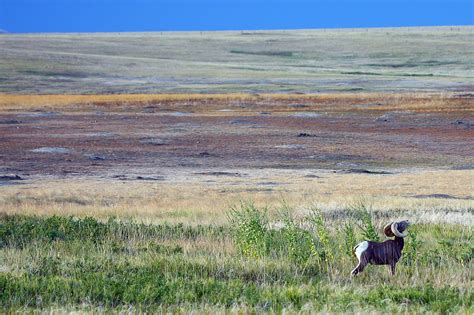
pixel 355 270
pixel 360 267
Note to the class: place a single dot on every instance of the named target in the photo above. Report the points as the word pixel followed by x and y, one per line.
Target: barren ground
pixel 192 136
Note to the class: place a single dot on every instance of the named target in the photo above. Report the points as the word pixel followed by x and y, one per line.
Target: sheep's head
pixel 396 228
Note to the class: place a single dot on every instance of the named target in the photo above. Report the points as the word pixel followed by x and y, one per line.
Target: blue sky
pixel 179 15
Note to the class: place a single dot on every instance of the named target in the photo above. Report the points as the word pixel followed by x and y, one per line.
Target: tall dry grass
pixel 203 202
pixel 417 102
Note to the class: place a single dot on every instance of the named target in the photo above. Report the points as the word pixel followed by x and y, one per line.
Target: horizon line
pixel 6 32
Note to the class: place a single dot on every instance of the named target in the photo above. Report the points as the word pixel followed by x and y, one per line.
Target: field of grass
pixel 308 61
pixel 76 245
pixel 249 264
pixel 233 172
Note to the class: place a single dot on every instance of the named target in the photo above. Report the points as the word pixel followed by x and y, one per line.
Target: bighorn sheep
pixel 382 253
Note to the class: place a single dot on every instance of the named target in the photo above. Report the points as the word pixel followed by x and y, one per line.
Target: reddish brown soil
pixel 155 138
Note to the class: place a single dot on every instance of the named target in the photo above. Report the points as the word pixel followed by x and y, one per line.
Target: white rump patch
pixel 361 247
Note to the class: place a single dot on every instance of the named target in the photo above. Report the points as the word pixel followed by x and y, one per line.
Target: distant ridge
pixel 2 31
pixel 429 59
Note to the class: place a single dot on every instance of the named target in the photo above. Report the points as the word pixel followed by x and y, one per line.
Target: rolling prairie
pixel 308 61
pixel 233 172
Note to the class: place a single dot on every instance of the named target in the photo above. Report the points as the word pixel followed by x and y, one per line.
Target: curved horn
pixel 387 230
pixel 395 231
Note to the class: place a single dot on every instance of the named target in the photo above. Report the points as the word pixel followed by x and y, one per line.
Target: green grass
pixel 69 263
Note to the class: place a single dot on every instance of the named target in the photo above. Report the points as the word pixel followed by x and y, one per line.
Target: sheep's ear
pixel 387 230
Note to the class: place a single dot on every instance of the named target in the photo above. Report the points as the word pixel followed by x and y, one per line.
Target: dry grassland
pixel 411 194
pixel 335 102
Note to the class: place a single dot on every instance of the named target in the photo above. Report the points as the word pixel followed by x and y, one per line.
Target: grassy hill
pixel 309 61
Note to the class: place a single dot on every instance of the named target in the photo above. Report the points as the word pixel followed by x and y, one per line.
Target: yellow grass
pixel 64 99
pixel 198 202
pixel 345 101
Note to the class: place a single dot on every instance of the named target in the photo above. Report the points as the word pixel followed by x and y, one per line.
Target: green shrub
pixel 349 239
pixel 299 242
pixel 326 252
pixel 411 248
pixel 250 228
pixel 18 231
pixel 365 221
